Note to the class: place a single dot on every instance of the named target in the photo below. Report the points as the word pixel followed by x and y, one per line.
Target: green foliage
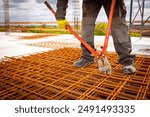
pixel 2 29
pixel 100 29
pixel 132 34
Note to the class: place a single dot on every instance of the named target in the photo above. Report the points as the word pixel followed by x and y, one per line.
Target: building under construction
pixel 49 74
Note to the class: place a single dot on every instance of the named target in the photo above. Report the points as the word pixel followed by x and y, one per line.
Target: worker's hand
pixel 62 23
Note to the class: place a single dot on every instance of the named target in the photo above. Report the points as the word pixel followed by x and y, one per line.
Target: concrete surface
pixel 11 45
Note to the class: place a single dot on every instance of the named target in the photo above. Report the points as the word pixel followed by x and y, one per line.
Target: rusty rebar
pixel 51 75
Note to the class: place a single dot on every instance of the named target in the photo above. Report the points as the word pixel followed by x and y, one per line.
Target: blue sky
pixel 35 10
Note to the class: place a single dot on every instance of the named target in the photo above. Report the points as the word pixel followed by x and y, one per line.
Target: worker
pixel 119 30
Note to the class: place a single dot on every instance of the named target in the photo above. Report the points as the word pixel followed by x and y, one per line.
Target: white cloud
pixel 35 10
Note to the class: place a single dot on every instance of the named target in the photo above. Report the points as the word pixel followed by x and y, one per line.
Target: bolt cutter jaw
pixel 104 65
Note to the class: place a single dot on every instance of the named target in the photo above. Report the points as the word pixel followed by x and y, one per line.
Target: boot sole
pixel 128 71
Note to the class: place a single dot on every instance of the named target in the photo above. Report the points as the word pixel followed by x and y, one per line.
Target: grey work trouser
pixel 119 29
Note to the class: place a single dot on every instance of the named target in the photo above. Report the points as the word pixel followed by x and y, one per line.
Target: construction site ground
pixel 40 66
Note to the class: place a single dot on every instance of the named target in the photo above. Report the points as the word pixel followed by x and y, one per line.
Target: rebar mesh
pixel 51 75
pixel 56 45
pixel 33 37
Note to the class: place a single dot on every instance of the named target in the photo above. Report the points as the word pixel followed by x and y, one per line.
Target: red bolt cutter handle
pixel 50 8
pixel 108 27
pixel 75 34
pixel 82 41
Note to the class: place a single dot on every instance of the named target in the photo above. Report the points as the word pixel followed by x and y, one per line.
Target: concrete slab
pixel 11 45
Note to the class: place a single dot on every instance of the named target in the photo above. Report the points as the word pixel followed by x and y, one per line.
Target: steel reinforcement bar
pixel 51 75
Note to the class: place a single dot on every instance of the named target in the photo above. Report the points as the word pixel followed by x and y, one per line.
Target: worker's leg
pixel 119 31
pixel 90 11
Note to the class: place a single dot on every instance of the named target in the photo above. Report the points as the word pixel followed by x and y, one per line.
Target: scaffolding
pixel 138 20
pixel 6 15
pixel 76 14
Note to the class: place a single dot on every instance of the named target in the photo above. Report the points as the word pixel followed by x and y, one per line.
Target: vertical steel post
pixel 6 15
pixel 130 19
pixel 76 13
pixel 142 15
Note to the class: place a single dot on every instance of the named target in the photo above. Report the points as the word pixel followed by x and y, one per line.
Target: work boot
pixel 83 62
pixel 129 68
pixel 87 58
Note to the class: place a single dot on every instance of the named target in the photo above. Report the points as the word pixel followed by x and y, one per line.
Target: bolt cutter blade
pixel 104 66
